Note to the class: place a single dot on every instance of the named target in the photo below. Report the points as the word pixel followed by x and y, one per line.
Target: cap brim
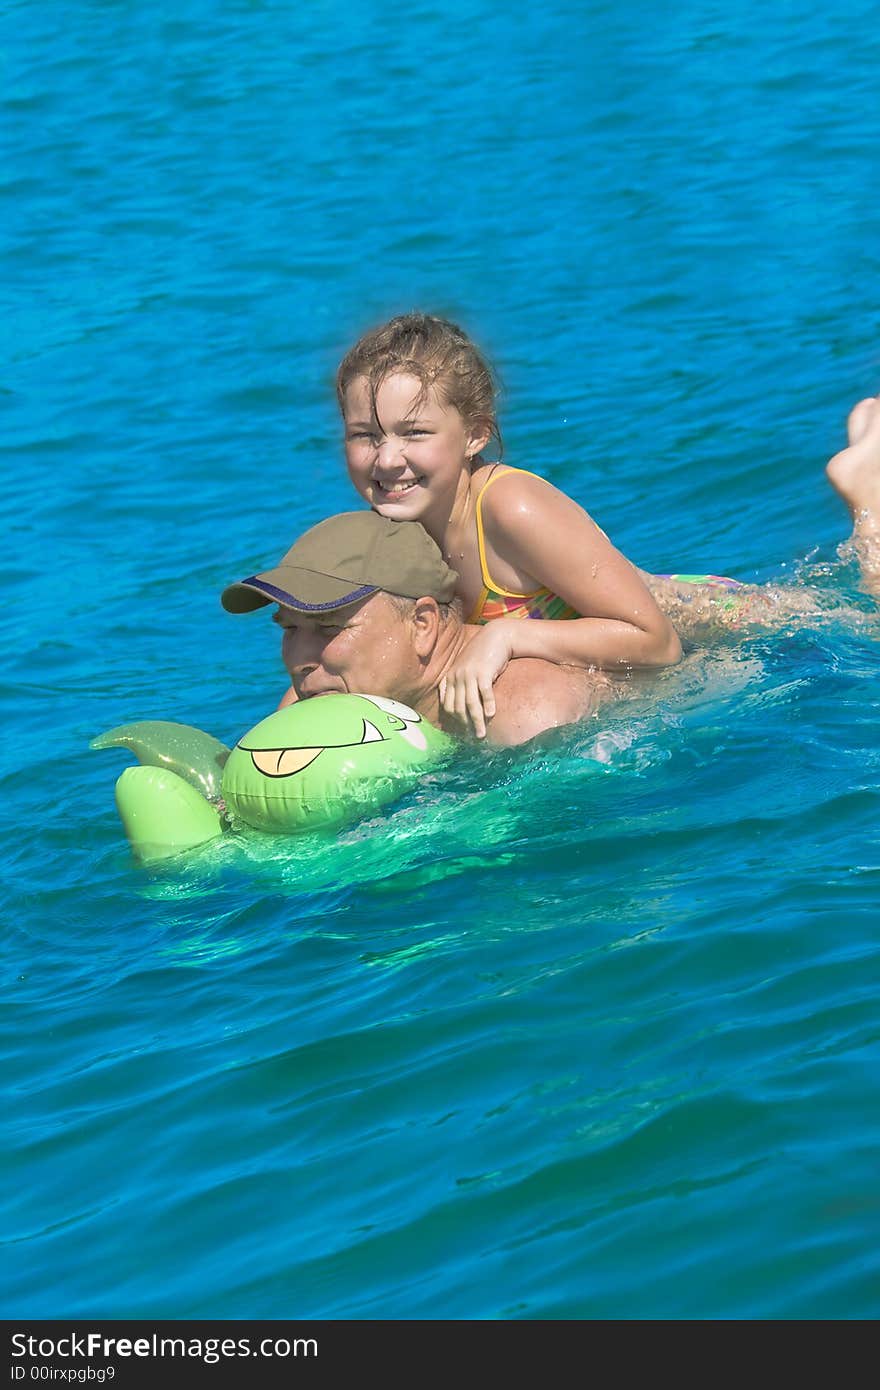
pixel 303 590
pixel 241 598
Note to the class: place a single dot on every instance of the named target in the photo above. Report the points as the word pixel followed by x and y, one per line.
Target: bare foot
pixel 855 471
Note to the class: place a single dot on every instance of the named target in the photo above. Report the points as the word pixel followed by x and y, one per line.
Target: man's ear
pixel 425 618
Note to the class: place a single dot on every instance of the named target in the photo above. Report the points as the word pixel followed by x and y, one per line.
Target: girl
pixel 417 400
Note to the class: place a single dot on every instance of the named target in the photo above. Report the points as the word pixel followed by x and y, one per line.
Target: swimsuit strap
pixel 488 581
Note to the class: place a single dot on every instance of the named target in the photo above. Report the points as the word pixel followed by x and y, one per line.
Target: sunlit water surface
pixel 583 1030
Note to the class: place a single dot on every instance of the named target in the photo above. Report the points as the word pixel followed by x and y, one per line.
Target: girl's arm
pixel 535 536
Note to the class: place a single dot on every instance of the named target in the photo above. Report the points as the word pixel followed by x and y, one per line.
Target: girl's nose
pixel 389 453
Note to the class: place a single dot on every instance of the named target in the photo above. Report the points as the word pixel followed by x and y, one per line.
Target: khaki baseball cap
pixel 345 559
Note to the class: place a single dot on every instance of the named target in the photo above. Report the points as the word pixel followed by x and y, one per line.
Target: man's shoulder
pixel 533 695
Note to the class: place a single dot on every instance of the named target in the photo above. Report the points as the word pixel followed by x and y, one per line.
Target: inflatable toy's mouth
pixel 286 762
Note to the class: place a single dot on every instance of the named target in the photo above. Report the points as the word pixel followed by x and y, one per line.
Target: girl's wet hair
pixel 438 354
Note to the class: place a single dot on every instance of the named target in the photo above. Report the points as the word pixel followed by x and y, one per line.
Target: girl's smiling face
pixel 407 457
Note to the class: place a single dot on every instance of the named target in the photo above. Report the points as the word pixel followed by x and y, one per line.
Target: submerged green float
pixel 316 764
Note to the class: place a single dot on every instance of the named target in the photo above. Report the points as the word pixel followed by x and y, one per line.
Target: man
pixel 367 606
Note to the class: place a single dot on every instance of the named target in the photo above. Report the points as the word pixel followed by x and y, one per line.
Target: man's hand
pixel 465 691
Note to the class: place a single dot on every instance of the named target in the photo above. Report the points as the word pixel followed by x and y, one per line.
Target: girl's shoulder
pixel 504 493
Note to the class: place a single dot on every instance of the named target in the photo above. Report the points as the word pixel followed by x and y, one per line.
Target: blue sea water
pixel 587 1030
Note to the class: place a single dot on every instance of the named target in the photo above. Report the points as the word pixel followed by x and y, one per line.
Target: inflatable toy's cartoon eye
pixel 402 719
pixel 285 762
pixel 403 712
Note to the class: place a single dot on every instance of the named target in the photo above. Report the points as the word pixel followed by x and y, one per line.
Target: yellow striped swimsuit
pixel 495 602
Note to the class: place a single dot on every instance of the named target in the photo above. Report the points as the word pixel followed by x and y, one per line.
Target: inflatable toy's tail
pixel 165 804
pixel 197 757
pixel 162 814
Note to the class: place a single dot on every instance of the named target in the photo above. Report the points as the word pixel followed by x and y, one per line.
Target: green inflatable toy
pixel 316 764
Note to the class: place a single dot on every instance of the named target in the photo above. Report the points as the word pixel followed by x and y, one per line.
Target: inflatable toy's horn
pixel 318 763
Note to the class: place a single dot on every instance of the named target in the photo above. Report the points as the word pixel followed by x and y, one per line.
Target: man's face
pixel 364 649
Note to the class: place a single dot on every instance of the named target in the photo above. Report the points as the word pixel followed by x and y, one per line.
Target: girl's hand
pixel 466 691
